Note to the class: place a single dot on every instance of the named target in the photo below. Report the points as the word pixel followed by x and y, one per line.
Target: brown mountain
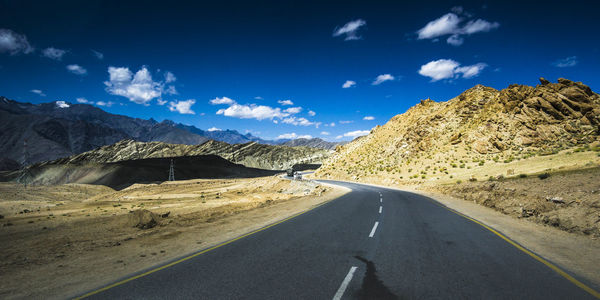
pixel 480 124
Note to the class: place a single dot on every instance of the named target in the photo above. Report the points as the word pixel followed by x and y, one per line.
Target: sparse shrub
pixel 423 176
pixel 472 179
pixel 543 176
pixel 481 163
pixel 459 181
pixel 491 178
pixel 522 175
pixel 462 166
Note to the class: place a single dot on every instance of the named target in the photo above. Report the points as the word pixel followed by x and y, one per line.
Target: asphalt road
pixel 417 250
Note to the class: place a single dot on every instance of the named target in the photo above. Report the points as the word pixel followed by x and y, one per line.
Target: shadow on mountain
pixel 119 175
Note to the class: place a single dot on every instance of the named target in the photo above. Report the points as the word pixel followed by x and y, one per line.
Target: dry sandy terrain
pixel 57 241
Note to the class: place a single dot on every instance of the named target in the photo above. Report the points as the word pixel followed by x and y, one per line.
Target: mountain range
pixel 32 133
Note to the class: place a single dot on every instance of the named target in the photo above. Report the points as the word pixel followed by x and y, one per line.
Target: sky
pixel 287 69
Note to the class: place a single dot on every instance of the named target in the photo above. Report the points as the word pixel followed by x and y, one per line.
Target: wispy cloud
pixel 450 24
pixel 353 134
pixel 98 55
pixel 325 133
pixel 84 101
pixel 293 135
pixel 54 53
pixel 103 103
pixel 369 118
pixel 39 92
pixel 343 122
pixel 348 84
pixel 183 106
pixel 14 43
pixel 77 69
pixel 222 100
pixel 311 113
pixel 570 61
pixel 285 102
pixel 169 77
pixel 300 122
pixel 383 78
pixel 448 68
pixel 350 30
pixel 293 110
pixel 214 129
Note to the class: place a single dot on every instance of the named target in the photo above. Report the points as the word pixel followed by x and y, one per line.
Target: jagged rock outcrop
pixel 480 121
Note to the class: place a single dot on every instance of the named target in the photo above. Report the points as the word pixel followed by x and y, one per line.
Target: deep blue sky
pixel 285 50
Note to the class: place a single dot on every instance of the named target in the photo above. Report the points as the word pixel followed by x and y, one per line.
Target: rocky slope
pixel 252 154
pixel 313 143
pixel 481 125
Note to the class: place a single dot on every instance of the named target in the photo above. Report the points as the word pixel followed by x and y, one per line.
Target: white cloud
pixel 107 104
pixel 62 104
pixel 97 54
pixel 84 101
pixel 161 101
pixel 300 122
pixel 311 113
pixel 170 77
pixel 138 88
pixel 13 43
pixel 325 133
pixel 332 124
pixel 287 136
pixel 252 111
pixel 449 24
pixel 479 25
pixel 171 90
pixel 472 70
pixel 39 92
pixel 77 69
pixel 285 102
pixel 183 106
pixel 455 40
pixel 222 100
pixel 293 135
pixel 343 122
pixel 350 29
pixel 258 98
pixel 353 134
pixel 293 110
pixel 382 78
pixel 448 68
pixel 446 24
pixel 54 53
pixel 348 84
pixel 570 61
pixel 369 118
pixel 214 129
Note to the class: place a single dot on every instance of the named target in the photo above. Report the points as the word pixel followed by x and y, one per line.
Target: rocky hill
pixel 482 125
pixel 253 155
pixel 313 143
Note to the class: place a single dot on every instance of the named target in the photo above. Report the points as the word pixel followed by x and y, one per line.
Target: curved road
pixel 417 250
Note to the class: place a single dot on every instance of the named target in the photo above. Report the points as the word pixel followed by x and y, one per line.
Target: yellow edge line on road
pixel 535 256
pixel 195 254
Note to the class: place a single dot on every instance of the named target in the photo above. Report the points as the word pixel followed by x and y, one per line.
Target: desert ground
pixel 560 189
pixel 62 240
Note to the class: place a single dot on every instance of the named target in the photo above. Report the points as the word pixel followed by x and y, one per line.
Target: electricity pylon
pixel 171 172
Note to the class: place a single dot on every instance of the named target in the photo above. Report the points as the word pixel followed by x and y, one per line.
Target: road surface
pixel 372 243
